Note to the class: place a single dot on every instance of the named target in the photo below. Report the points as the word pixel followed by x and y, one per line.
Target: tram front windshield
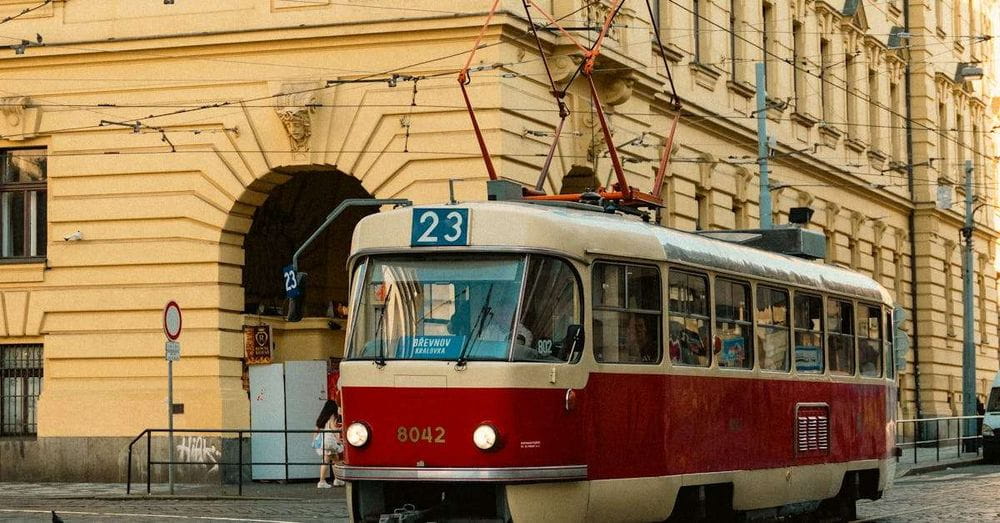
pixel 463 308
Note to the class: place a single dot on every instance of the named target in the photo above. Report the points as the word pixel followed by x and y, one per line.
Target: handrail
pixel 128 476
pixel 148 433
pixel 921 440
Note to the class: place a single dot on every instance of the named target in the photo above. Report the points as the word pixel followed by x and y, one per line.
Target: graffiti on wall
pixel 196 450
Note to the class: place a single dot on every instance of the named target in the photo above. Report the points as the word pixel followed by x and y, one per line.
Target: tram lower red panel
pixel 623 425
pixel 534 427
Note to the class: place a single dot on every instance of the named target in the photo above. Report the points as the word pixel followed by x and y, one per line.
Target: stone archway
pixel 289 215
pixel 291 212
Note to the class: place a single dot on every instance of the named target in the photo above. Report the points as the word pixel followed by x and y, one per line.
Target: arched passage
pixel 289 215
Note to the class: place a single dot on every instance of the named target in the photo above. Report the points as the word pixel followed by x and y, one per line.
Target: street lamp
pixel 967 71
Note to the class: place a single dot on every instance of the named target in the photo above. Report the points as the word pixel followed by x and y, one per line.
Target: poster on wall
pixel 259 344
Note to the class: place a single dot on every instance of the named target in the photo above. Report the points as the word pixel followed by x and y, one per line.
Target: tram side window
pixel 889 345
pixel 808 333
pixel 772 328
pixel 733 325
pixel 840 336
pixel 551 305
pixel 689 319
pixel 627 313
pixel 870 341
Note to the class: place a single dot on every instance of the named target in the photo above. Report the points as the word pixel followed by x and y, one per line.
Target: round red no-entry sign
pixel 172 321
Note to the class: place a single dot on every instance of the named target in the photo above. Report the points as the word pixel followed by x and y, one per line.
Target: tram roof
pixel 589 235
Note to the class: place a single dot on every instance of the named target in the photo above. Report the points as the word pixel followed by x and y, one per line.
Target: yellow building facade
pixel 157 152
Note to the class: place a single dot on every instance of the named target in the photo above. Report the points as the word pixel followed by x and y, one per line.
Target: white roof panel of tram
pixel 587 234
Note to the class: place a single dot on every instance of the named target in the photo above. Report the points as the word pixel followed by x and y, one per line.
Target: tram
pixel 540 361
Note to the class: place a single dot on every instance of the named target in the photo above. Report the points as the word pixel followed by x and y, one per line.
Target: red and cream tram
pixel 518 361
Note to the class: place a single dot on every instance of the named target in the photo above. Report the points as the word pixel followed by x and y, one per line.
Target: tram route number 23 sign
pixel 258 343
pixel 437 227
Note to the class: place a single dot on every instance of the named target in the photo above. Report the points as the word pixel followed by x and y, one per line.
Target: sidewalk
pixel 930 459
pixel 251 490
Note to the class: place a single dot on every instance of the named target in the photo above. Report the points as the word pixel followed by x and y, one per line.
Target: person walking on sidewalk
pixel 329 422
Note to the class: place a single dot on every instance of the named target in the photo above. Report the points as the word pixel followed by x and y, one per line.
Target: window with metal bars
pixel 23 205
pixel 20 386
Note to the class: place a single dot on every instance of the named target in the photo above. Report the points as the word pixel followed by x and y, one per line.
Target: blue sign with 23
pixel 436 227
pixel 292 289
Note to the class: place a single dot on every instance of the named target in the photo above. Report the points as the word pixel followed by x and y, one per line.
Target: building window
pixel 768 39
pixel 772 328
pixel 20 386
pixel 850 95
pixel 23 222
pixel 627 313
pixel 798 66
pixel 939 14
pixel 703 220
pixel 702 33
pixel 733 324
pixel 896 122
pixel 735 47
pixel 983 311
pixel 840 336
pixel 981 179
pixel 960 142
pixel 956 19
pixel 942 155
pixel 826 91
pixel 689 321
pixel 874 125
pixel 740 214
pixel 808 333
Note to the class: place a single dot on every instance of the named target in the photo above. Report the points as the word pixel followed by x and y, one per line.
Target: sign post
pixel 172 330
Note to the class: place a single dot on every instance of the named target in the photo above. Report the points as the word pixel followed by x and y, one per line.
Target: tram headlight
pixel 485 437
pixel 357 434
pixel 987 430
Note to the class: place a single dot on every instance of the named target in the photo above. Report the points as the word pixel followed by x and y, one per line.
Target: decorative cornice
pixel 19 120
pixel 705 75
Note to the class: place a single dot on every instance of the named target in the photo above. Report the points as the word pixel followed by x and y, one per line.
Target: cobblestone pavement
pixel 959 494
pixel 969 493
pixel 297 502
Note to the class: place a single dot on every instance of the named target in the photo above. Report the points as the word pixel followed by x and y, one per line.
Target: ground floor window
pixel 20 386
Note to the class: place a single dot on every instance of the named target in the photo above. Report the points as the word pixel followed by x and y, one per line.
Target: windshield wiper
pixel 379 340
pixel 483 312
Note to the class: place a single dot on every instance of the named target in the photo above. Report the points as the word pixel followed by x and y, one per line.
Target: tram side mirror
pixel 900 339
pixel 296 295
pixel 573 343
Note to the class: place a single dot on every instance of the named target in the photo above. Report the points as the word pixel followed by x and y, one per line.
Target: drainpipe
pixel 911 222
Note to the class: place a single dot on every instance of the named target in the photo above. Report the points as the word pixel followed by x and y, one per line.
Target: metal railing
pixel 240 463
pixel 947 436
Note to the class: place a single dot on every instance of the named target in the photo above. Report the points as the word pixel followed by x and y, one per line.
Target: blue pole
pixel 762 149
pixel 968 323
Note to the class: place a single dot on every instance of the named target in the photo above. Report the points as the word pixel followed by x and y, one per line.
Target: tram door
pixel 625 393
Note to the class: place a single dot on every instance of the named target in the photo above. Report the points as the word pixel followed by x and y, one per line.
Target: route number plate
pixel 437 227
pixel 290 278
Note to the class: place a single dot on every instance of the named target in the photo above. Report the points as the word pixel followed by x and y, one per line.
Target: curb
pixel 916 471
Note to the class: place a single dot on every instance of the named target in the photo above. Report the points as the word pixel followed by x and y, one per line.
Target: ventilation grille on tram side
pixel 812 430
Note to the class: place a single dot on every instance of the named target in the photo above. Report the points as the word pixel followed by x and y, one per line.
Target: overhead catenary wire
pixel 847 91
pixel 227 103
